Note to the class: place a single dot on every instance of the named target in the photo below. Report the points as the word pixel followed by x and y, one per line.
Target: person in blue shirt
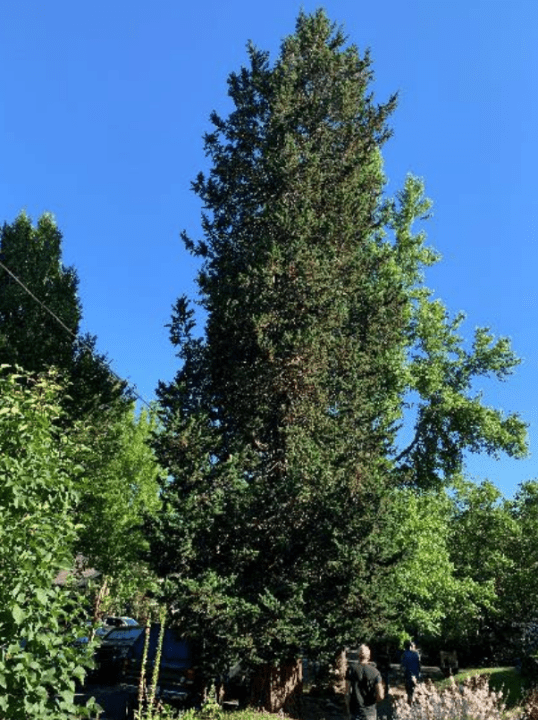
pixel 411 666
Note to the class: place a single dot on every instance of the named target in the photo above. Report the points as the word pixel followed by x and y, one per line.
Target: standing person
pixel 411 666
pixel 365 686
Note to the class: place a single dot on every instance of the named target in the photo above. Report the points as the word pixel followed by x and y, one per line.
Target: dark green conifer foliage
pixel 280 427
pixel 30 336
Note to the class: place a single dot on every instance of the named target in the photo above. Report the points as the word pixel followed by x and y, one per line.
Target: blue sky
pixel 103 107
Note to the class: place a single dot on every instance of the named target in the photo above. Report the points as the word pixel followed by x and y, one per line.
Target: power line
pixel 73 334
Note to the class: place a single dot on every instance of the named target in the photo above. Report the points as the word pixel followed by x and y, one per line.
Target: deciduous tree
pixel 119 482
pixel 120 493
pixel 39 623
pixel 520 586
pixel 430 595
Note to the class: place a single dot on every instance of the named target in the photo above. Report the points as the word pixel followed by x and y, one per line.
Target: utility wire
pixel 73 334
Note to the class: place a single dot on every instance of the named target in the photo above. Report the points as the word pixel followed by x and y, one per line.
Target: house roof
pixel 80 572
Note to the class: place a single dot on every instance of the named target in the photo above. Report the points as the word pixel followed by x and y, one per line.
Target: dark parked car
pixel 119 659
pixel 114 621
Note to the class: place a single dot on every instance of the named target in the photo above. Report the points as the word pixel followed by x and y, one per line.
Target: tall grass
pixel 472 700
pixel 513 685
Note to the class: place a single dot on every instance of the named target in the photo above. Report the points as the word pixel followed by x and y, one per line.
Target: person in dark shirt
pixel 365 686
pixel 411 666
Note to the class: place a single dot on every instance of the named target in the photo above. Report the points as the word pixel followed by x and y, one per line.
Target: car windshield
pixel 114 621
pixel 126 634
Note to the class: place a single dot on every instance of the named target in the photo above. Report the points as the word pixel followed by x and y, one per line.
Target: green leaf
pixel 18 614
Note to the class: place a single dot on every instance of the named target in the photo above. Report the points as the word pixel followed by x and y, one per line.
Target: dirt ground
pixel 113 699
pixel 314 708
pixel 334 709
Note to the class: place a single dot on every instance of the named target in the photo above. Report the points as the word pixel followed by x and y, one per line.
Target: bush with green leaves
pixel 39 622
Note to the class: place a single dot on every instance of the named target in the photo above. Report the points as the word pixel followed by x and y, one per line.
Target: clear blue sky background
pixel 103 107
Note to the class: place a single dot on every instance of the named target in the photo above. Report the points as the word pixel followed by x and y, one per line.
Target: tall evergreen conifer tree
pixel 281 425
pixel 30 335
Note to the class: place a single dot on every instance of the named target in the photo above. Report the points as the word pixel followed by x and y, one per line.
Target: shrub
pixel 531 705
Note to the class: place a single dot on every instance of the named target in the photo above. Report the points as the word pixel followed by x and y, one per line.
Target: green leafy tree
pixel 431 596
pixel 39 622
pixel 120 472
pixel 519 591
pixel 481 532
pixel 281 427
pixel 466 572
pixel 451 417
pixel 121 493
